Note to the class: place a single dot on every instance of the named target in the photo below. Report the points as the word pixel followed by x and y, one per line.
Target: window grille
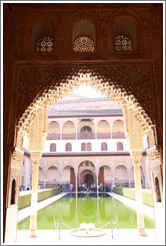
pixel 45 44
pixel 52 147
pixel 83 147
pixel 89 147
pixel 84 44
pixel 103 146
pixel 119 146
pixel 123 43
pixel 68 147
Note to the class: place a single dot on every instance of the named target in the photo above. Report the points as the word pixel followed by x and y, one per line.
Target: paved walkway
pixel 121 237
pixel 25 212
pixel 148 211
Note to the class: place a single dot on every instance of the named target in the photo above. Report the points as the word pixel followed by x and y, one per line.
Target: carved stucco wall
pixel 135 78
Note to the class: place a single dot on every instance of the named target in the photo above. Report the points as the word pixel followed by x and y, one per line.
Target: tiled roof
pixel 85 112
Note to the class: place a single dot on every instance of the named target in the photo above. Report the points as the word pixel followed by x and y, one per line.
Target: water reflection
pixel 74 210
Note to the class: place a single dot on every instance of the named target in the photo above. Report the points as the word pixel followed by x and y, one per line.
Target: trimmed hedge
pixel 25 199
pixel 130 193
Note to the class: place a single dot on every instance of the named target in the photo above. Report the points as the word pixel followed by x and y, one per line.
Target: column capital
pixel 136 155
pixel 60 174
pixel 76 172
pixel 97 172
pixel 35 156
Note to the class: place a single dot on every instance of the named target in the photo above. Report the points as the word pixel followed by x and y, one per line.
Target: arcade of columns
pixel 34 121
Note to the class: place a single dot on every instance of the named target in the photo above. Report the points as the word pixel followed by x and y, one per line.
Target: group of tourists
pixel 69 187
pixel 24 187
pixel 102 187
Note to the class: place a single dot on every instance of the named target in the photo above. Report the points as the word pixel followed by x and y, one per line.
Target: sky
pixel 87 91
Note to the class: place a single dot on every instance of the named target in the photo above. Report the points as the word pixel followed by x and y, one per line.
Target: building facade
pixel 85 145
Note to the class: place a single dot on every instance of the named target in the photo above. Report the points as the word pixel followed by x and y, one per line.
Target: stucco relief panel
pixel 32 80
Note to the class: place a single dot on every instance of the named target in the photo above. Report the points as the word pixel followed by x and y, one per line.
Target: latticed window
pixel 83 147
pixel 53 147
pixel 45 44
pixel 89 147
pixel 123 43
pixel 13 191
pixel 84 44
pixel 68 147
pixel 119 146
pixel 103 146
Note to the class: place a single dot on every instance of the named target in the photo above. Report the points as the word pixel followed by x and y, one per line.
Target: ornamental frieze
pixel 135 78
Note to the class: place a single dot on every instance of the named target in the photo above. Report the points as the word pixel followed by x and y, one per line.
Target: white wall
pixel 66 175
pixel 95 143
pixel 52 176
pixel 107 174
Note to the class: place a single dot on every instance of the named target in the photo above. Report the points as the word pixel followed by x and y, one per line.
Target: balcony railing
pixel 106 135
pixel 53 136
pixel 86 135
pixel 66 136
pixel 118 135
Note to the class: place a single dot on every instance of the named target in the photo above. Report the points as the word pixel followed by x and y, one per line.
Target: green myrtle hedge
pixel 130 193
pixel 25 200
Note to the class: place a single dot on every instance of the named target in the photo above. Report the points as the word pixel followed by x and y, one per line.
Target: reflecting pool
pixel 73 211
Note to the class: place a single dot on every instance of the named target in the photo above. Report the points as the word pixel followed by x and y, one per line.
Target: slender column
pixel 138 191
pixel 76 183
pixel 111 130
pixel 35 156
pixel 113 181
pixel 76 175
pixel 60 178
pixel 154 158
pixel 97 182
pixel 129 180
pixel 76 129
pixel 44 180
pixel 134 134
pixel 36 137
pixel 148 181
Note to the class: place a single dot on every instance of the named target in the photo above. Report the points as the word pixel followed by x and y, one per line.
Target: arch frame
pixel 87 171
pixel 102 165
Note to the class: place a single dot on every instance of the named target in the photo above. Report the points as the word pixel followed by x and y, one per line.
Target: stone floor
pixel 121 237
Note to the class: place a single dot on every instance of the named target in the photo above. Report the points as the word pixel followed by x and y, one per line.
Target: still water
pixel 73 211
